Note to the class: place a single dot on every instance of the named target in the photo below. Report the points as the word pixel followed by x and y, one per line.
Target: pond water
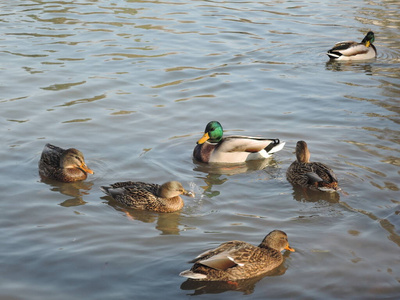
pixel 132 84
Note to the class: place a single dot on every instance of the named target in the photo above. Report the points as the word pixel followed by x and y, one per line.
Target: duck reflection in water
pixel 302 194
pixel 75 190
pixel 167 223
pixel 234 169
pixel 350 66
pixel 214 172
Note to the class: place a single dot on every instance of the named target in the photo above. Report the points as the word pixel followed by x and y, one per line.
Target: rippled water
pixel 132 84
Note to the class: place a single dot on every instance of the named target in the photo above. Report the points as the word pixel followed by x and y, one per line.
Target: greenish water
pixel 132 84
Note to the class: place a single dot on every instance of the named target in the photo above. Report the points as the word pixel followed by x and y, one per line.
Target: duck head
pixel 73 159
pixel 213 133
pixel 368 39
pixel 302 152
pixel 278 240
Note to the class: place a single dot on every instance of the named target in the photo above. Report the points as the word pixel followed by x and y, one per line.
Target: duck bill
pixel 204 139
pixel 86 169
pixel 189 194
pixel 367 44
pixel 289 248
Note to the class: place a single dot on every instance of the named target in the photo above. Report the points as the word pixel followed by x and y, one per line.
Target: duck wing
pixel 228 255
pixel 348 48
pixel 237 143
pixel 224 247
pixel 133 194
pixel 324 172
pixel 301 173
pixel 221 261
pixel 51 155
pixel 323 177
pixel 313 178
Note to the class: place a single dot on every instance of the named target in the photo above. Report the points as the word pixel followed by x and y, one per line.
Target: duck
pixel 65 165
pixel 214 148
pixel 350 50
pixel 237 260
pixel 148 196
pixel 313 175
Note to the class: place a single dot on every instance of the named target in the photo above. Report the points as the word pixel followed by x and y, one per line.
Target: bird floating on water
pixel 148 196
pixel 63 165
pixel 236 260
pixel 214 148
pixel 350 50
pixel 313 175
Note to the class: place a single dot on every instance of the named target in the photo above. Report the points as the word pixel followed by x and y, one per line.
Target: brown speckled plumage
pixel 63 165
pixel 313 175
pixel 148 196
pixel 236 260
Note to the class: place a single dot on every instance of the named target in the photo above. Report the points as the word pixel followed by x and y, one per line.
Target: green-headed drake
pixel 148 196
pixel 236 260
pixel 354 51
pixel 313 175
pixel 214 148
pixel 63 165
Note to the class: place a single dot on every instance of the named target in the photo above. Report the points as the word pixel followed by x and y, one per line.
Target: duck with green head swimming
pixel 213 147
pixel 350 50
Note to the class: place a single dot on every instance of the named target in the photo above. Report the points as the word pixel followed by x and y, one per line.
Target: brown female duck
pixel 237 260
pixel 63 165
pixel 313 175
pixel 148 196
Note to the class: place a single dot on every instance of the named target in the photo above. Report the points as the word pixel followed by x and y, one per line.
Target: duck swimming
pixel 214 148
pixel 354 51
pixel 63 165
pixel 148 196
pixel 313 175
pixel 236 260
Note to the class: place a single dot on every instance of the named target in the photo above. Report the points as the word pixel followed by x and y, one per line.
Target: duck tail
pixel 192 275
pixel 333 55
pixel 329 187
pixel 105 190
pixel 275 146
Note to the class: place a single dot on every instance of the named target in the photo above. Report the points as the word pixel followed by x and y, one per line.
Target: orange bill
pixel 189 194
pixel 289 248
pixel 205 138
pixel 85 168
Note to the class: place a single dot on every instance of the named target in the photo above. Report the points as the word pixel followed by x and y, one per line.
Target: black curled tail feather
pixel 273 143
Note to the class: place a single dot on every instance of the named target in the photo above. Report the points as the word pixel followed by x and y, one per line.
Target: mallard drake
pixel 354 51
pixel 63 165
pixel 237 260
pixel 148 196
pixel 313 175
pixel 213 148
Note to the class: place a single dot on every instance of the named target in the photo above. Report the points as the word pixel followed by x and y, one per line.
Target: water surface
pixel 132 84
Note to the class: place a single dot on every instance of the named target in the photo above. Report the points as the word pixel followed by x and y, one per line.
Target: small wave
pixel 388 54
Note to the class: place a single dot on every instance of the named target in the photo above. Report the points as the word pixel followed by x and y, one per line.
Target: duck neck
pixel 303 155
pixel 170 205
pixel 73 174
pixel 176 202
